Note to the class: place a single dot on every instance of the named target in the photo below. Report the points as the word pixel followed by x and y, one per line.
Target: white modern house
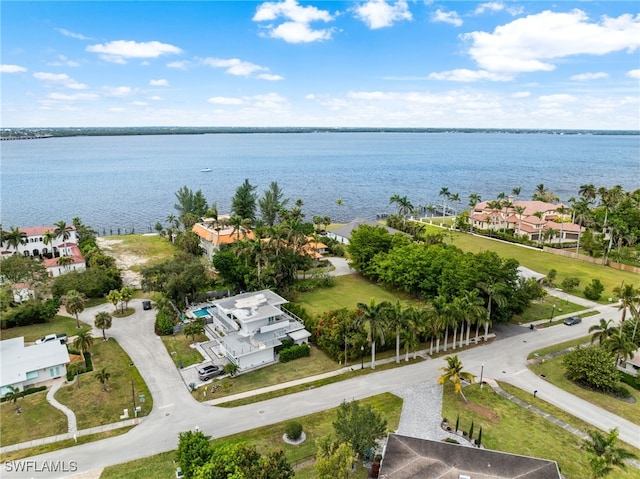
pixel 26 366
pixel 249 326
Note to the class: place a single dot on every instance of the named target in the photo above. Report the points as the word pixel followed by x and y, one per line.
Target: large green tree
pixel 333 460
pixel 243 203
pixel 361 426
pixel 271 203
pixel 193 451
pixel 243 461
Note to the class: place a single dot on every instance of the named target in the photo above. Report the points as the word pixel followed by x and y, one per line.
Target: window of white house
pixel 54 372
pixel 32 374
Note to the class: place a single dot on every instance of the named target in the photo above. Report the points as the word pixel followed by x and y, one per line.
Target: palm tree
pixel 601 331
pixel 431 209
pixel 562 211
pixel 74 302
pixel 236 223
pixel 15 237
pixel 588 192
pixel 397 319
pixel 455 198
pixel 603 453
pixel 620 345
pixel 474 199
pixel 114 297
pixel 516 192
pixel 473 309
pixel 65 261
pixel 446 194
pixel 415 322
pixel 374 315
pixel 454 373
pixel 83 343
pixel 126 294
pixel 47 238
pixel 627 295
pixel 519 212
pixel 493 290
pixel 441 320
pixel 62 231
pixel 13 394
pixel 103 321
pixel 194 328
pixel 103 376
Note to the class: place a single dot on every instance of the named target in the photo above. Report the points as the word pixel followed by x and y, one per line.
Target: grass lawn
pixel 265 439
pixel 508 427
pixel 559 347
pixel 180 350
pixel 92 405
pixel 348 291
pixel 554 372
pixel 543 309
pixel 38 419
pixel 60 324
pixel 152 247
pixel 316 363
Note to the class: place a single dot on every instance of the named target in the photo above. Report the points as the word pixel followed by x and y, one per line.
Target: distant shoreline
pixel 8 134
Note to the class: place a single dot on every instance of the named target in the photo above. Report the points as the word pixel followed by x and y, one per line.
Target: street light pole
pixel 553 310
pixel 362 357
pixel 481 374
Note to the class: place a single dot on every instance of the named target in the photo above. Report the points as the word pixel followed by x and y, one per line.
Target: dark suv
pixel 207 372
pixel 573 320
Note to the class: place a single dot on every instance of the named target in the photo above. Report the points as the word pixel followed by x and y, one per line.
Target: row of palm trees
pixel 436 321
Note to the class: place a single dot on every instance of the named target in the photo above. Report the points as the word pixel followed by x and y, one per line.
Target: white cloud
pixel 440 16
pixel 67 33
pixel 63 62
pixel 61 78
pixel 74 97
pixel 120 50
pixel 497 7
pixel 117 91
pixel 139 103
pixel 529 44
pixel 156 98
pixel 269 77
pixel 465 75
pixel 222 100
pixel 634 74
pixel 234 66
pixel 589 76
pixel 521 94
pixel 557 99
pixel 160 82
pixel 296 25
pixel 117 109
pixel 12 69
pixel 270 100
pixel 180 65
pixel 380 13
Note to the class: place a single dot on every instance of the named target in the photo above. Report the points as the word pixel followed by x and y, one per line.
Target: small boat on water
pixel 205 170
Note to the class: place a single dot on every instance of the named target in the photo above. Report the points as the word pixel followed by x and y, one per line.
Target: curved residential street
pixel 175 410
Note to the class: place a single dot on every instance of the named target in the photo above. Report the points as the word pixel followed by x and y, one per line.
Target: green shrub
pixel 293 430
pixel 632 381
pixel 163 325
pixel 621 392
pixel 294 352
pixel 570 283
pixel 591 366
pixel 594 290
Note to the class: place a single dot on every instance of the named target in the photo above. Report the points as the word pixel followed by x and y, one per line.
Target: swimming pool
pixel 201 313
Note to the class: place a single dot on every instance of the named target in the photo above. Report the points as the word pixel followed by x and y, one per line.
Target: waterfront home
pixel 343 233
pixel 72 260
pixel 250 326
pixel 39 241
pixel 30 366
pixel 214 234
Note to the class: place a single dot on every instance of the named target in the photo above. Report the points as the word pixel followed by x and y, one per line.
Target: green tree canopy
pixel 592 366
pixel 193 452
pixel 359 426
pixel 243 203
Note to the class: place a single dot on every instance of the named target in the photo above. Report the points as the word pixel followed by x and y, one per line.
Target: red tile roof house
pixel 527 224
pixel 34 245
pixel 212 235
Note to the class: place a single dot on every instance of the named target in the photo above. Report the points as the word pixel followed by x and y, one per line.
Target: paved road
pixel 175 410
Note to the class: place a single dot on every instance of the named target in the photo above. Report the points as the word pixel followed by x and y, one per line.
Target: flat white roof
pixel 17 359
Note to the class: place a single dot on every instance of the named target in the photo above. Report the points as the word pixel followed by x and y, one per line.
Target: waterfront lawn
pixel 38 419
pixel 554 371
pixel 180 350
pixel 265 439
pixel 95 407
pixel 348 291
pixel 510 428
pixel 59 325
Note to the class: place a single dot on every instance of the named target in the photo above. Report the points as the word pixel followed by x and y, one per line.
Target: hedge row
pixel 294 352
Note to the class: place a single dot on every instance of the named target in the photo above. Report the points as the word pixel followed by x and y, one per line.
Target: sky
pixel 368 63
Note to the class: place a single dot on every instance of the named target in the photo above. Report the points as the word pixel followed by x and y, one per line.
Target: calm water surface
pixel 129 181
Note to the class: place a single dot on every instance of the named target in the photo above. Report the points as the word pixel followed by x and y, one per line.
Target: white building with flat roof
pixel 26 366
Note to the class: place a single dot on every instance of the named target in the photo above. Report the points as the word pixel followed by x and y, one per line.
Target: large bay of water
pixel 129 181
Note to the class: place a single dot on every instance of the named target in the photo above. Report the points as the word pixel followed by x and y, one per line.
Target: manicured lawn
pixel 560 346
pixel 348 291
pixel 180 350
pixel 38 419
pixel 60 324
pixel 554 373
pixel 508 427
pixel 92 405
pixel 265 439
pixel 543 309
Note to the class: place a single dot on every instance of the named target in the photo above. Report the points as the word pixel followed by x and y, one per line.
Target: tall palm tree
pixel 453 372
pixel 601 331
pixel 588 192
pixel 374 316
pixel 47 238
pixel 62 231
pixel 516 192
pixel 620 345
pixel 627 295
pixel 519 212
pixel 431 209
pixel 442 320
pixel 562 211
pixel 74 303
pixel 473 308
pixel 397 319
pixel 493 290
pixel 126 294
pixel 13 394
pixel 446 194
pixel 83 343
pixel 15 237
pixel 455 198
pixel 103 376
pixel 103 321
pixel 603 453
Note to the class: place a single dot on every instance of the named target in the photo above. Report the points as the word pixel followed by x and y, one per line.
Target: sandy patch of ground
pixel 124 261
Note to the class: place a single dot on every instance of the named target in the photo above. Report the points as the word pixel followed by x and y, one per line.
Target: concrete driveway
pixel 175 410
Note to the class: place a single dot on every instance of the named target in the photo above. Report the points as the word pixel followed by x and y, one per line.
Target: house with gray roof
pixel 343 233
pixel 27 366
pixel 412 458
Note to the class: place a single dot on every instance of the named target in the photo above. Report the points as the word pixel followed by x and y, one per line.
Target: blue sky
pixel 393 63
